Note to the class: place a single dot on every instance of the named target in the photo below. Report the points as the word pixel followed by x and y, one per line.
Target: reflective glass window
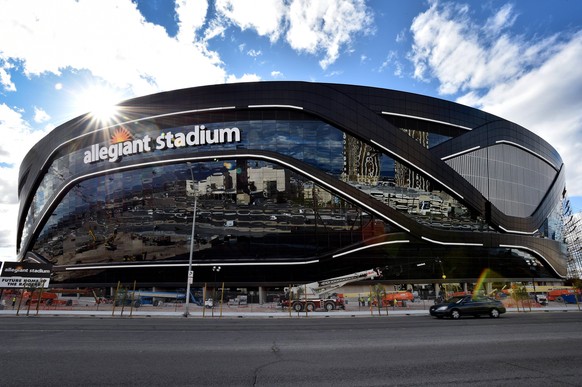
pixel 245 209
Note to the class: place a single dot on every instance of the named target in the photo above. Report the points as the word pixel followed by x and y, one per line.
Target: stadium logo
pixel 123 143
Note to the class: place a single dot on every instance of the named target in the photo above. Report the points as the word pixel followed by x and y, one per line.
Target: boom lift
pixel 320 294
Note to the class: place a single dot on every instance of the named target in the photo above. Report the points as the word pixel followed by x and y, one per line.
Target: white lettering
pixel 114 151
pixel 212 136
pixel 229 135
pixel 202 134
pixel 180 140
pixel 103 153
pixel 160 144
pixel 192 137
pixel 129 147
pixel 169 140
pixel 199 136
pixel 146 143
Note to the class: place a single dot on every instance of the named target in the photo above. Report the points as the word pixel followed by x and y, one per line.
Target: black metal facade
pixel 325 179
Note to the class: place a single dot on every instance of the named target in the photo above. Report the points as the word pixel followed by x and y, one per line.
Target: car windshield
pixel 454 300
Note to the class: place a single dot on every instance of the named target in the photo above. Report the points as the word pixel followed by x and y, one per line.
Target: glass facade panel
pixel 251 209
pixel 146 215
pixel 399 187
pixel 512 179
pixel 311 141
pixel 314 142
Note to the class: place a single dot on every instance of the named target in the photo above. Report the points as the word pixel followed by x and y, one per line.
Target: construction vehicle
pixel 558 294
pixel 321 294
pixel 47 298
pixel 395 298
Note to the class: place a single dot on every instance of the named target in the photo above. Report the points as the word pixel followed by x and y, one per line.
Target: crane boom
pixel 319 294
pixel 325 287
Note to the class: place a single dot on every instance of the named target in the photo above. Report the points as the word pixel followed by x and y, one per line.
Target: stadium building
pixel 292 182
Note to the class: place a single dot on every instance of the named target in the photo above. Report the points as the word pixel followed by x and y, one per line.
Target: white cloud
pixel 536 84
pixel 323 27
pixel 463 55
pixel 243 78
pixel 326 26
pixel 191 17
pixel 19 138
pixel 40 115
pixel 254 53
pixel 277 74
pixel 335 73
pixel 5 78
pixel 392 60
pixel 112 40
pixel 503 19
pixel 215 29
pixel 8 212
pixel 401 36
pixel 263 16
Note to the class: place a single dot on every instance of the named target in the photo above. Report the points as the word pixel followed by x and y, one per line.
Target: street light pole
pixel 215 269
pixel 532 268
pixel 190 272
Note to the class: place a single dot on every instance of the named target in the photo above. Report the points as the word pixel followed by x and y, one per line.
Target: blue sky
pixel 520 60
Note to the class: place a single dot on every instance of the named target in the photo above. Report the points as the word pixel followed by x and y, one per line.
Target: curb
pixel 231 315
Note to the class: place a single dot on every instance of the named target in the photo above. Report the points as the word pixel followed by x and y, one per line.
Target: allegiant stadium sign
pixel 124 145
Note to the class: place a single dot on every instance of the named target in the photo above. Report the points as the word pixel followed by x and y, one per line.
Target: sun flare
pixel 99 101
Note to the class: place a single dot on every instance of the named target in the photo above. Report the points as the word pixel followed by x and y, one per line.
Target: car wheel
pixel 329 306
pixel 494 313
pixel 455 314
pixel 310 307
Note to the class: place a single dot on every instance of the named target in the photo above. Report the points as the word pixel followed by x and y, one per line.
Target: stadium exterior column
pixel 262 295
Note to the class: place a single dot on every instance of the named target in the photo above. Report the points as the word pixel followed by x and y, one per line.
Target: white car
pixel 541 299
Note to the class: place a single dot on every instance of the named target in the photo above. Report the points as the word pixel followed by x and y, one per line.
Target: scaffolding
pixel 572 223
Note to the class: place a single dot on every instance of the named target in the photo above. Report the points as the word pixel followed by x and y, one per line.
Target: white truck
pixel 321 294
pixel 155 298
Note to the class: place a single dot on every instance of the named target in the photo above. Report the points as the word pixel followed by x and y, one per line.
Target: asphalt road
pixel 534 349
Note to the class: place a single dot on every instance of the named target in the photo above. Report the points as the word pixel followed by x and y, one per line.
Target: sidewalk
pixel 255 311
